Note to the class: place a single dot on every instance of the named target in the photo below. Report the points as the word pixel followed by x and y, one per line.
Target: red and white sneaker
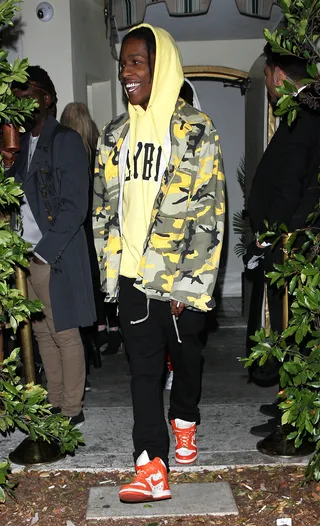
pixel 150 482
pixel 185 435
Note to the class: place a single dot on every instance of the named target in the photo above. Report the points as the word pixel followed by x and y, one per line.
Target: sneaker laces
pixel 141 474
pixel 184 436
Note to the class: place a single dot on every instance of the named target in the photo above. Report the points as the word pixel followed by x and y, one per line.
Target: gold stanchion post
pixel 26 331
pixel 30 451
pixel 276 444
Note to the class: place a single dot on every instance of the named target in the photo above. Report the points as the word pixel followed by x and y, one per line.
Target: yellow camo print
pixel 113 245
pixel 169 281
pixel 159 242
pixel 144 264
pixel 183 246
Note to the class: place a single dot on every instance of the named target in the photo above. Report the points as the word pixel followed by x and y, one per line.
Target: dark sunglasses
pixel 25 86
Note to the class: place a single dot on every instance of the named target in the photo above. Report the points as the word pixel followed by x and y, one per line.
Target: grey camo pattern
pixel 182 250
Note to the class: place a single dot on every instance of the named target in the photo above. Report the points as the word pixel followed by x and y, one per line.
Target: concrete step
pixel 214 498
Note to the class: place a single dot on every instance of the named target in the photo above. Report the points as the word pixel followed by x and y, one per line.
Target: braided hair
pixel 147 36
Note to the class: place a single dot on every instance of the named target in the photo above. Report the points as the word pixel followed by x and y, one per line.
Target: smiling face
pixel 136 71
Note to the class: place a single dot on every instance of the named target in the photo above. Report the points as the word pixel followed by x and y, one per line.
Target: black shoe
pixel 265 429
pixel 55 410
pixel 91 343
pixel 115 341
pixel 103 339
pixel 77 420
pixel 271 409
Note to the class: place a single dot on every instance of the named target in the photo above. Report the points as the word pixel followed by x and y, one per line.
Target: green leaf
pixel 312 70
pixel 289 331
pixel 10 388
pixel 292 435
pixel 285 418
pixel 299 336
pixel 302 26
pixel 267 34
pixel 292 116
pixel 3 426
pixel 13 323
pixel 309 426
pixel 290 87
pixel 293 284
pixel 291 367
pixel 2 495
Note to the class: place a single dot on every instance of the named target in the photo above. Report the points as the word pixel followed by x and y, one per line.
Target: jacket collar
pixel 42 145
pixel 118 128
pixel 180 128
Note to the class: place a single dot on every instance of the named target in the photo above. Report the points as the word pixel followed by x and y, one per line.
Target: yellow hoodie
pixel 148 150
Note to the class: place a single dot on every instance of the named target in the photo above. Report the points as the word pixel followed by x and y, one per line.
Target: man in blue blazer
pixel 52 167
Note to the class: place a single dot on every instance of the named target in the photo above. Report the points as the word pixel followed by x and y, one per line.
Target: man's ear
pixel 279 76
pixel 47 100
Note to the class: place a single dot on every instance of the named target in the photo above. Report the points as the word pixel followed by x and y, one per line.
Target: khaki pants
pixel 62 352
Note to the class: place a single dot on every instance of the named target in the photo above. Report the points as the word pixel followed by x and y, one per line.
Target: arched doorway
pixel 226 107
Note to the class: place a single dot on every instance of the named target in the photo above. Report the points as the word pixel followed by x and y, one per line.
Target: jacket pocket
pixel 167 233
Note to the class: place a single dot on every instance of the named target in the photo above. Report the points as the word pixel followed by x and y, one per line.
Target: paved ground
pixel 229 407
pixel 187 499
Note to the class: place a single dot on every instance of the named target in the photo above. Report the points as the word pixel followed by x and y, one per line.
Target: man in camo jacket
pixel 164 285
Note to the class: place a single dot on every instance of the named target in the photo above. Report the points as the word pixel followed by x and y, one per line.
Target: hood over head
pixel 166 84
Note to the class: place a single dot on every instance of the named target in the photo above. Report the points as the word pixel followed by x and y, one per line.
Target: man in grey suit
pixel 52 167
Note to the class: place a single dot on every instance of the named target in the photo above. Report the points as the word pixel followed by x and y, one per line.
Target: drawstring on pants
pixel 141 320
pixel 135 322
pixel 176 328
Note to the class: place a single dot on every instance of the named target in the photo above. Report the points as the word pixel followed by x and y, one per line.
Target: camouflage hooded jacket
pixel 182 250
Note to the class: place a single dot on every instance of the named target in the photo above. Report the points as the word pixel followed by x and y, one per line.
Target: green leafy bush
pixel 298 347
pixel 21 406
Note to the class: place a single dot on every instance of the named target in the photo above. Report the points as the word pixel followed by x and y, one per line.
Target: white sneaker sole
pixel 186 461
pixel 143 496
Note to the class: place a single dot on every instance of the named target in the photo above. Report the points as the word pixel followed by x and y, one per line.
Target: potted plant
pixel 297 348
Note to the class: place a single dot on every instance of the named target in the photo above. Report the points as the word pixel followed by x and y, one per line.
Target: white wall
pixel 91 58
pixel 48 44
pixel 238 54
pixel 73 48
pixel 226 107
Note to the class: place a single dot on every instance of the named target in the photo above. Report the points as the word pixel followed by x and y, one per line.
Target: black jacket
pixel 285 188
pixel 56 187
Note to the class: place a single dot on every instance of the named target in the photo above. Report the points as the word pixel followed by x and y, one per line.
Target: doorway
pixel 220 91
